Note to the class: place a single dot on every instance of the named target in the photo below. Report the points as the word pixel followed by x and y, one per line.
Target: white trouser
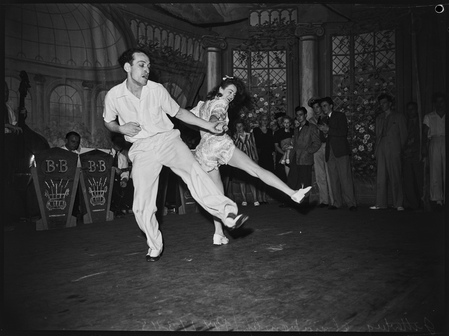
pixel 167 149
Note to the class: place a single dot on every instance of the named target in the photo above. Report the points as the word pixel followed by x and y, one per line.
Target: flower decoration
pixel 358 100
pixel 268 99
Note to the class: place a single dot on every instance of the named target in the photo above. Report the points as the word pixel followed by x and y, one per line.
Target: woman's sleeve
pixel 219 109
pixel 196 109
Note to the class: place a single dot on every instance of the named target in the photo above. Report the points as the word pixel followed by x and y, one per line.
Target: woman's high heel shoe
pixel 300 194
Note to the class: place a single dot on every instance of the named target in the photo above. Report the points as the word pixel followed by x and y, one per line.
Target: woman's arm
pixel 189 118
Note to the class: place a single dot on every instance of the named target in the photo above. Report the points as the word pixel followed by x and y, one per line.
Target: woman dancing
pixel 215 150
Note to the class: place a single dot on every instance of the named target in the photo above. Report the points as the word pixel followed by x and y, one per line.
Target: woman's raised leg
pixel 242 161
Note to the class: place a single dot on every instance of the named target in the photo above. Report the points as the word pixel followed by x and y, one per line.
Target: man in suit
pixel 391 137
pixel 319 162
pixel 337 157
pixel 306 141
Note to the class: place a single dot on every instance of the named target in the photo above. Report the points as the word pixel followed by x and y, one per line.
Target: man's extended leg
pixel 178 157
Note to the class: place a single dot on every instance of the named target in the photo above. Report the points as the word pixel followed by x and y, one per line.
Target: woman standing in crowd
pixel 265 150
pixel 245 142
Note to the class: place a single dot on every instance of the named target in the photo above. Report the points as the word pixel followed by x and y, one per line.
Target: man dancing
pixel 142 106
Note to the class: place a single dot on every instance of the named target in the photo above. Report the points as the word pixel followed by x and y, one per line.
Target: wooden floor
pixel 287 271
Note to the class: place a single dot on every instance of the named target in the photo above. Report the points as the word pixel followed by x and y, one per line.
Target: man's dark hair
pixel 68 135
pixel 128 56
pixel 385 96
pixel 327 100
pixel 301 108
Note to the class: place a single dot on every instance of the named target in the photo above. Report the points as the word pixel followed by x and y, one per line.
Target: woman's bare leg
pixel 242 161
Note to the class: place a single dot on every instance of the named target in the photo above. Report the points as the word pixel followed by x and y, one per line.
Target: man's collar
pixel 124 91
pixel 305 124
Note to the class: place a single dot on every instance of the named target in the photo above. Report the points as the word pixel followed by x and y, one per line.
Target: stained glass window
pixel 265 73
pixel 363 67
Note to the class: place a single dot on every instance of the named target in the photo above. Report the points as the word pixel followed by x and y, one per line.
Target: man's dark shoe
pixel 150 258
pixel 332 207
pixel 235 221
pixel 353 208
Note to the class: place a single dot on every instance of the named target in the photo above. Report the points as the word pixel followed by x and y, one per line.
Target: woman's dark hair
pixel 242 97
pixel 241 102
pixel 385 96
pixel 233 130
pixel 128 56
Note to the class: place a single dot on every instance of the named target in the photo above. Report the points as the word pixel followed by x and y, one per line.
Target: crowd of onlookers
pixel 316 145
pixel 409 151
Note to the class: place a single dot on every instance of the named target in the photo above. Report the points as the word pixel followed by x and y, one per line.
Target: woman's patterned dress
pixel 213 150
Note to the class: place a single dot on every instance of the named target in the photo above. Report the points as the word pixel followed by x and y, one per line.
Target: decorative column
pixel 214 45
pixel 88 116
pixel 41 118
pixel 308 34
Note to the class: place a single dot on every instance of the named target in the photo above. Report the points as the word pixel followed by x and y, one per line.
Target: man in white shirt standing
pixel 141 107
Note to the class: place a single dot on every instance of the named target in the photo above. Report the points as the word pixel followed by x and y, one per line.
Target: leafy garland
pixel 267 36
pixel 167 57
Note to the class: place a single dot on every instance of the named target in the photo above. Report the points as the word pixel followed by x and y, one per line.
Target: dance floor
pixel 325 270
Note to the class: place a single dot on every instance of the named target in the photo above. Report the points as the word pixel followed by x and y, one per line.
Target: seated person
pixel 72 144
pixel 123 189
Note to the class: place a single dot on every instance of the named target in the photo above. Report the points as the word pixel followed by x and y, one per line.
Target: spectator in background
pixel 123 189
pixel 265 150
pixel 274 126
pixel 391 137
pixel 412 164
pixel 337 157
pixel 434 129
pixel 279 117
pixel 282 138
pixel 245 142
pixel 72 142
pixel 319 161
pixel 306 141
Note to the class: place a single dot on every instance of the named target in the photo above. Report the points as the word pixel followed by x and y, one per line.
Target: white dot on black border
pixel 439 9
